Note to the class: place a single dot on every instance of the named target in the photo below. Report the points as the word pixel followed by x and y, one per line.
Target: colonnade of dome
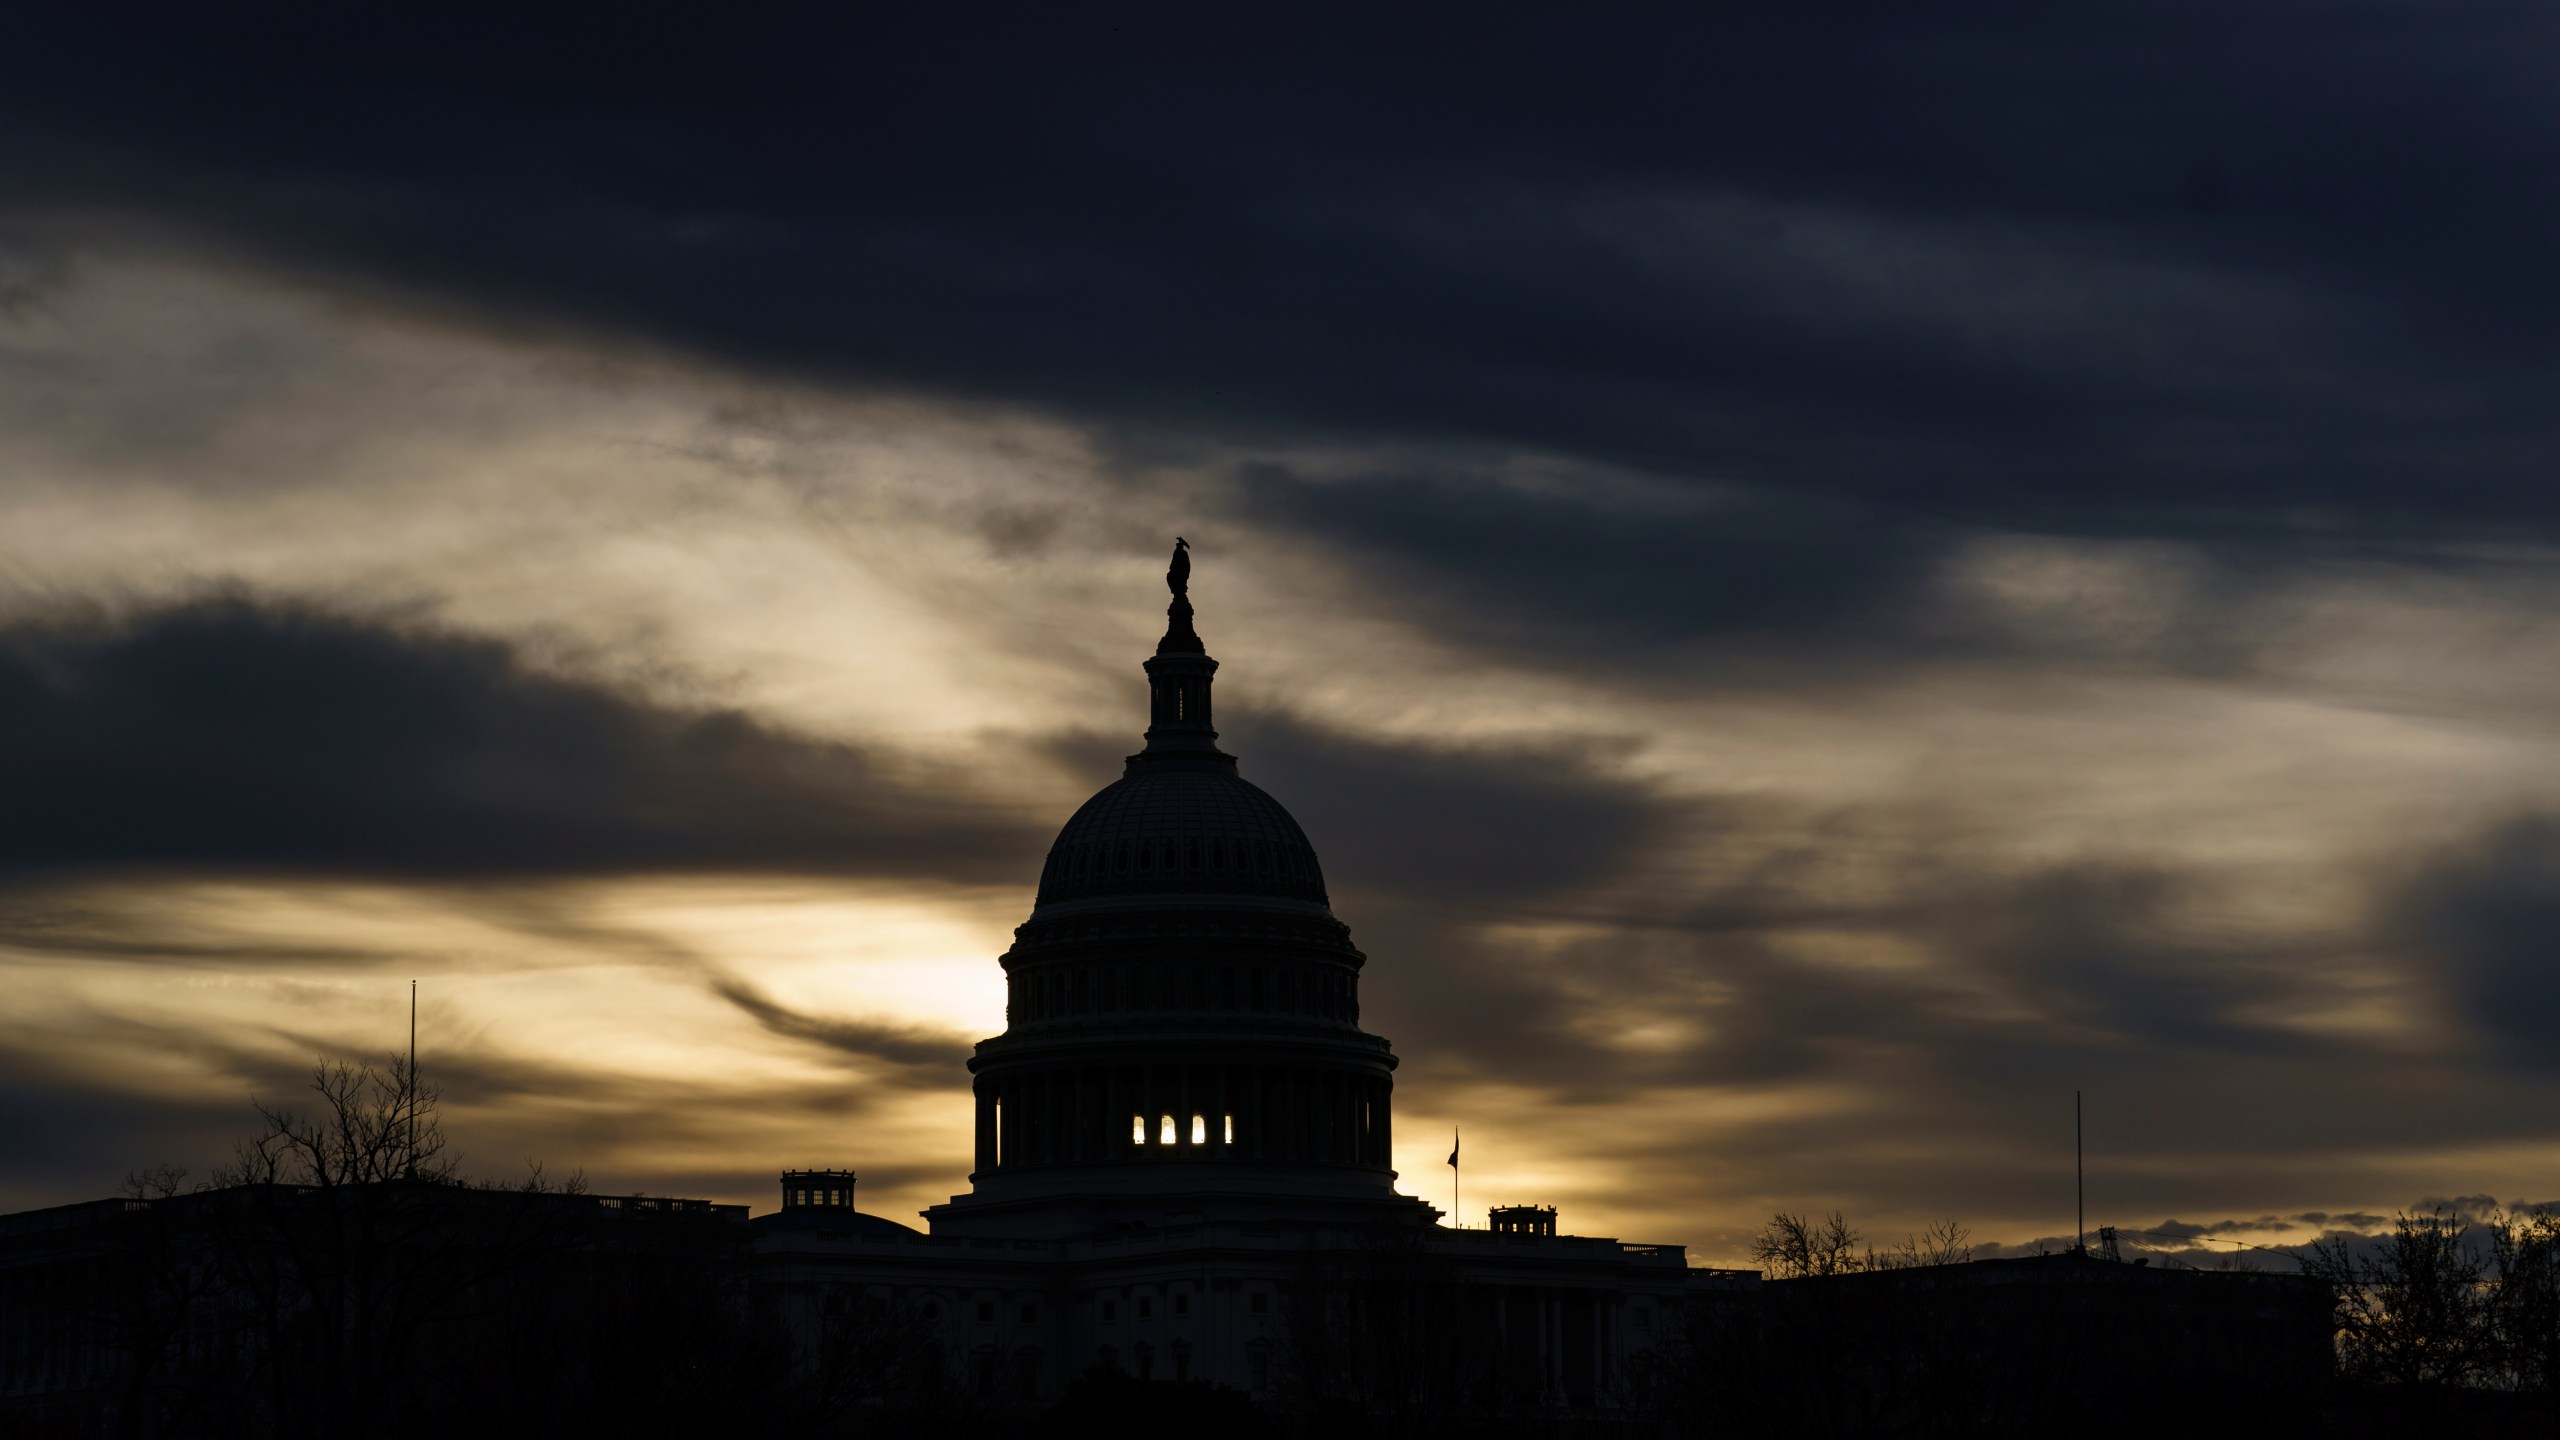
pixel 1172 1113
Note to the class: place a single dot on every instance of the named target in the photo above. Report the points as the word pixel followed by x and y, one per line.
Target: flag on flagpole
pixel 1453 1147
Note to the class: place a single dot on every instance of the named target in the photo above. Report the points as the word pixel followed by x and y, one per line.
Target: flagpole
pixel 1457 1216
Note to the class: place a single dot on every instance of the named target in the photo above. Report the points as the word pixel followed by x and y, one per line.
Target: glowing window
pixel 1166 1135
pixel 1231 1129
pixel 1137 1129
pixel 1199 1129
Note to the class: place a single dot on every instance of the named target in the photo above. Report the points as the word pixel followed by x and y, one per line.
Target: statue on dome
pixel 1178 577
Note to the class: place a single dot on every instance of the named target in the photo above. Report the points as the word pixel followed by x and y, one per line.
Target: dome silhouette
pixel 1201 829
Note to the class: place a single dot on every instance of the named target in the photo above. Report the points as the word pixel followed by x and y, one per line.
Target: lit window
pixel 1137 1129
pixel 1166 1133
pixel 1231 1129
pixel 1199 1129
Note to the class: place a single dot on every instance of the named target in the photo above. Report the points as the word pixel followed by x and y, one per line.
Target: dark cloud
pixel 75 1136
pixel 2264 265
pixel 1541 570
pixel 1483 826
pixel 2481 915
pixel 245 735
pixel 909 1053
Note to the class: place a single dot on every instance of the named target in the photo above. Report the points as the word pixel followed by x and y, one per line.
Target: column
pixel 986 1125
pixel 1007 1113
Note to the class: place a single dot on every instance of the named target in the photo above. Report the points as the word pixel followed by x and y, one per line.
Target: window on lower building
pixel 1167 1133
pixel 1181 1305
pixel 1030 1314
pixel 1146 1308
pixel 1137 1129
pixel 1261 1302
pixel 986 1310
pixel 1110 1312
pixel 1644 1317
pixel 1199 1129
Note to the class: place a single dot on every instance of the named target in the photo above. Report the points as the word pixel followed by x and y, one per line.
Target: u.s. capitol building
pixel 1183 1136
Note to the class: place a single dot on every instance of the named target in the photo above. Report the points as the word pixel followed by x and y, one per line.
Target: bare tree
pixel 294 1291
pixel 1944 1243
pixel 2415 1315
pixel 2525 1307
pixel 1794 1246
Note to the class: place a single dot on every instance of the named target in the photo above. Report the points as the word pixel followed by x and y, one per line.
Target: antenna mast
pixel 413 1080
pixel 2079 1182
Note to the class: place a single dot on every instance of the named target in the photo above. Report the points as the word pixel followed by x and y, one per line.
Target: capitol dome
pixel 1182 1017
pixel 1180 828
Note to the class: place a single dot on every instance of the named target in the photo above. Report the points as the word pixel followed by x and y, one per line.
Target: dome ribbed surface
pixel 1181 830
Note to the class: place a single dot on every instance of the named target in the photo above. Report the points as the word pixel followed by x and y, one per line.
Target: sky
pixel 1821 578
